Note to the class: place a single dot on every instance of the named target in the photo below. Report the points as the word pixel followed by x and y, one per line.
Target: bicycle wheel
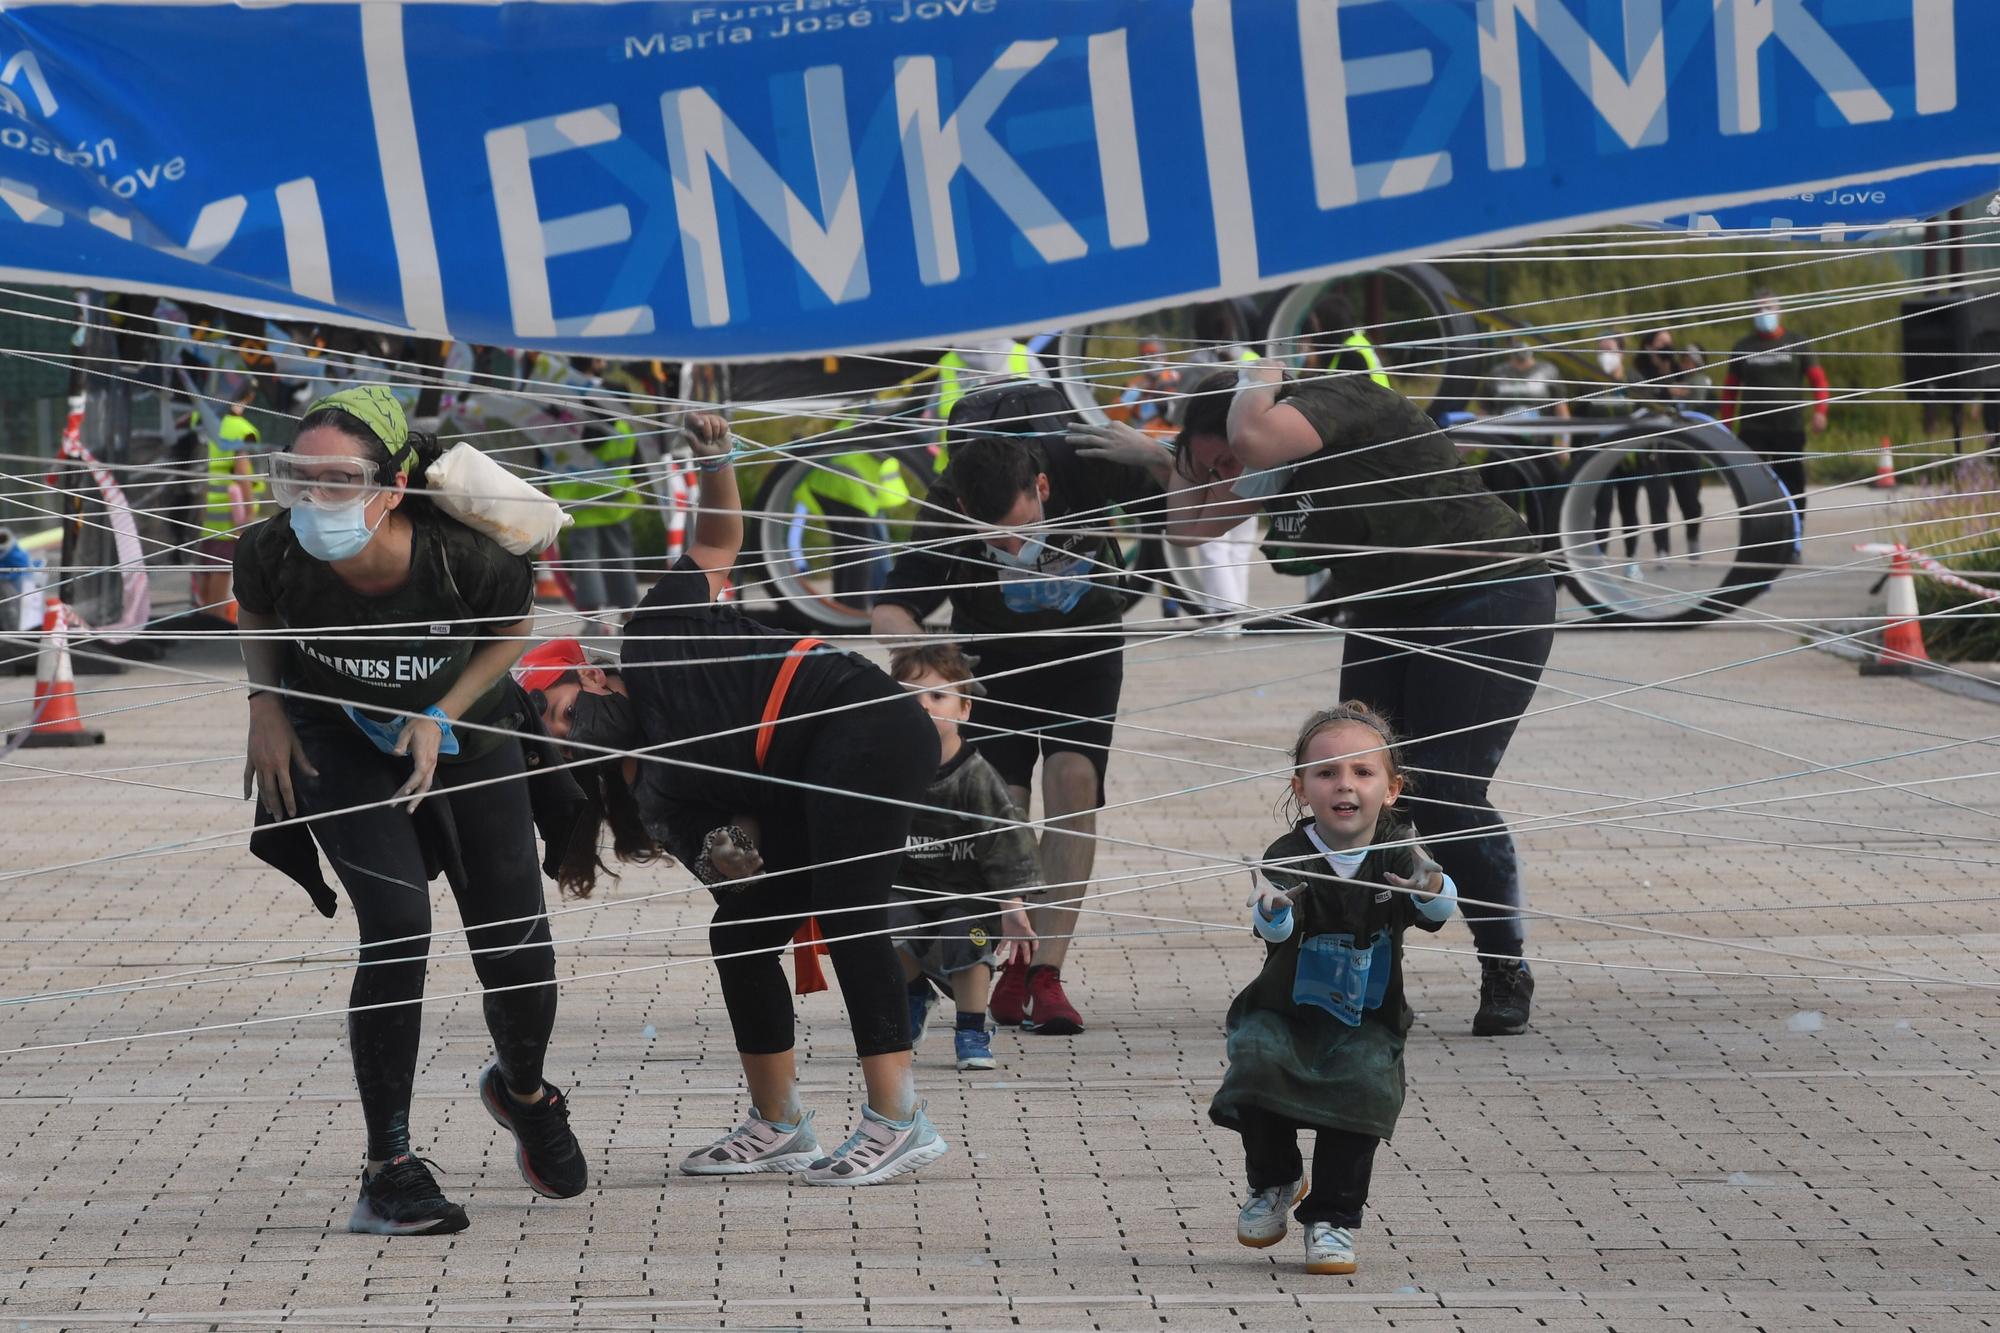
pixel 1714 560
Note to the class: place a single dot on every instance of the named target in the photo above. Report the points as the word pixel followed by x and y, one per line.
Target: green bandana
pixel 376 408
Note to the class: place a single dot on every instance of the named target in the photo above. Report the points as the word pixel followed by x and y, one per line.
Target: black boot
pixel 1506 993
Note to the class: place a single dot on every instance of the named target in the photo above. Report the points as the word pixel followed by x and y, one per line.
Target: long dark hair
pixel 610 802
pixel 423 451
pixel 1207 413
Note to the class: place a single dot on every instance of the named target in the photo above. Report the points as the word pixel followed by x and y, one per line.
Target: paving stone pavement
pixel 1750 1100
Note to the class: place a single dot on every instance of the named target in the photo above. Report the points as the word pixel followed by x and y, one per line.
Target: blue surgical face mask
pixel 332 532
pixel 1766 321
pixel 1029 557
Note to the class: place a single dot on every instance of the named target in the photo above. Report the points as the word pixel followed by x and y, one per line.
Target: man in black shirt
pixel 1019 542
pixel 1774 383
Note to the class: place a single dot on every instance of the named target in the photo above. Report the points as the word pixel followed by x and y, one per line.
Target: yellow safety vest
pixel 607 497
pixel 952 374
pixel 1358 340
pixel 864 482
pixel 219 516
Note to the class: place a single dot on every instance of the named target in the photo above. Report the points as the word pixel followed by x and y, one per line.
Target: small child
pixel 958 912
pixel 1316 1041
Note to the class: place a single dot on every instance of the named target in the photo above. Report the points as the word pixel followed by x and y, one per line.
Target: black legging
pixel 380 862
pixel 1676 473
pixel 1785 452
pixel 888 748
pixel 1343 1165
pixel 1473 682
pixel 1623 486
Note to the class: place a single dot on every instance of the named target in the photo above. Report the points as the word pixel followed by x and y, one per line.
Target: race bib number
pixel 1056 585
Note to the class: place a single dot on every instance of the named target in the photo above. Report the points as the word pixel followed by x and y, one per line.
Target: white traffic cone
pixel 1885 467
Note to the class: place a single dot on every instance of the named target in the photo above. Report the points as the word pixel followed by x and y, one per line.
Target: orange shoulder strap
pixel 775 703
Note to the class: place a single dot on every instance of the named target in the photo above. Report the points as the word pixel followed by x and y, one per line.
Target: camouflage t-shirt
pixel 966 839
pixel 1385 505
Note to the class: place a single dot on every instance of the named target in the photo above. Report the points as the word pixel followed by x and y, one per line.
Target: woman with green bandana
pixel 378 633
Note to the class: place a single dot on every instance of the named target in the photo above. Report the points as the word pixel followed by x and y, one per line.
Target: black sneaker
pixel 551 1161
pixel 1506 993
pixel 403 1199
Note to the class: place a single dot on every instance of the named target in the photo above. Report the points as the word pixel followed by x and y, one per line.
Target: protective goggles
pixel 324 480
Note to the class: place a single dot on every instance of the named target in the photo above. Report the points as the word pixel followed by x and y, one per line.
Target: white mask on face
pixel 1766 321
pixel 1608 362
pixel 1028 557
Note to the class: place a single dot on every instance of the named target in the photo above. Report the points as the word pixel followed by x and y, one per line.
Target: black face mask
pixel 604 719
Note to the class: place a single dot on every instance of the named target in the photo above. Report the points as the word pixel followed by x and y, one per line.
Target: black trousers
pixel 496 878
pixel 1784 450
pixel 1623 486
pixel 1676 474
pixel 1455 687
pixel 1343 1165
pixel 837 854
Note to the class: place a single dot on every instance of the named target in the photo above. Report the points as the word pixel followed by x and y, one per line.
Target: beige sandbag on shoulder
pixel 487 498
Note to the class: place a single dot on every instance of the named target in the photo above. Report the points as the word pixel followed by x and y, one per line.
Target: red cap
pixel 544 664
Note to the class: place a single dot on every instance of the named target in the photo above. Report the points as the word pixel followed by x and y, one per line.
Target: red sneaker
pixel 1009 1000
pixel 1049 1010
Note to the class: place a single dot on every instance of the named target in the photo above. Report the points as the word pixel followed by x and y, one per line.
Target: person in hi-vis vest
pixel 233 490
pixel 974 366
pixel 599 494
pixel 1357 354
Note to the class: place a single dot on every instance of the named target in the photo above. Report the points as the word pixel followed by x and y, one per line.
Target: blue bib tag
pixel 1345 981
pixel 1056 586
pixel 384 735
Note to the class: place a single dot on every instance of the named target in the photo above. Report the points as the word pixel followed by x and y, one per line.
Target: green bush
pixel 1959 525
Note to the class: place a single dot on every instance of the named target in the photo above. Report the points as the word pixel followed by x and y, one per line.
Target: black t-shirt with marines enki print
pixel 402 650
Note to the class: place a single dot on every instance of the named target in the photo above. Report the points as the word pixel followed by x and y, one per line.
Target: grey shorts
pixel 944 935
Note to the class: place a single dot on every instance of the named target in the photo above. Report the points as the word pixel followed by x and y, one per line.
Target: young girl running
pixel 1316 1041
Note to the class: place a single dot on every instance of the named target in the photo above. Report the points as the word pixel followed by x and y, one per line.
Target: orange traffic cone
pixel 56 721
pixel 1903 636
pixel 547 587
pixel 1885 467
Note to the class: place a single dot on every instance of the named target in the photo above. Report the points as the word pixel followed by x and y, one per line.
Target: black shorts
pixel 1036 707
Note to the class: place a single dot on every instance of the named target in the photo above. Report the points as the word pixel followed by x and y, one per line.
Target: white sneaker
pixel 757 1146
pixel 1329 1249
pixel 1265 1219
pixel 879 1149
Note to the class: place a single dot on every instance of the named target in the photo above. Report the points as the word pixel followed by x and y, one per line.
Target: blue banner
pixel 1850 211
pixel 751 180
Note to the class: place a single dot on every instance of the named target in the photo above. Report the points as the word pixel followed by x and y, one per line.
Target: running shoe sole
pixel 791 1161
pixel 1055 1027
pixel 1284 1223
pixel 977 1062
pixel 889 1170
pixel 490 1100
pixel 1490 1029
pixel 1331 1267
pixel 364 1221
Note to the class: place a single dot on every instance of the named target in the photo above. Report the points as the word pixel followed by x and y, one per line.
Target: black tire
pixel 1426 336
pixel 1761 522
pixel 1521 472
pixel 792 556
pixel 1081 354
